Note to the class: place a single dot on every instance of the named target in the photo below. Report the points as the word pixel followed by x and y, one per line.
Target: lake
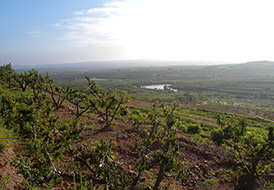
pixel 159 87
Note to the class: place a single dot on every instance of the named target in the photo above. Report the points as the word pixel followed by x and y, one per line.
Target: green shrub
pixel 217 136
pixel 194 128
pixel 207 127
pixel 4 133
pixel 198 138
pixel 124 110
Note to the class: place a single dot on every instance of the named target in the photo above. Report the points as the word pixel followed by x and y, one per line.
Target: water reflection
pixel 160 87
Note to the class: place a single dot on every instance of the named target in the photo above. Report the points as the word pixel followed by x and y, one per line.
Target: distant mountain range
pixel 249 69
pixel 255 69
pixel 111 64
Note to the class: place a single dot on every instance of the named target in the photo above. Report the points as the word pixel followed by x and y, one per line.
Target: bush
pixel 194 128
pixel 198 138
pixel 217 136
pixel 207 127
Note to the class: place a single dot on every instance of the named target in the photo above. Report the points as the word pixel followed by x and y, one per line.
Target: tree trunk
pixel 160 176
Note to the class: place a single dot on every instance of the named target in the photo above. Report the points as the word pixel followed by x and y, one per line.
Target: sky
pixel 36 32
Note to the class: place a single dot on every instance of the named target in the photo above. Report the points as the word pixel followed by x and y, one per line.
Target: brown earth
pixel 7 171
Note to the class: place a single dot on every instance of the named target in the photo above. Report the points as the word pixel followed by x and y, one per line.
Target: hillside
pixel 67 138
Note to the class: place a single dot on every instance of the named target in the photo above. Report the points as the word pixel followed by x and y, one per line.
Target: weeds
pixel 4 180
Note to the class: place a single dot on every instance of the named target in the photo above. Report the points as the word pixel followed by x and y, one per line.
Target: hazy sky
pixel 62 31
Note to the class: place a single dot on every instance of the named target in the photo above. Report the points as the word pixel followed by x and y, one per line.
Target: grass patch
pixel 90 128
pixel 4 180
pixel 150 175
pixel 197 138
pixel 208 183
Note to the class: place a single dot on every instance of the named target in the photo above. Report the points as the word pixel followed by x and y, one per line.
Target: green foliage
pixel 41 133
pixel 197 138
pixel 28 105
pixel 58 94
pixel 208 183
pixel 137 117
pixel 5 134
pixel 194 128
pixel 26 79
pixel 104 167
pixel 207 127
pixel 89 128
pixel 124 110
pixel 188 97
pixel 7 76
pixel 39 85
pixel 81 101
pixel 45 137
pixel 271 134
pixel 159 127
pixel 217 136
pixel 83 184
pixel 4 180
pixel 30 173
pixel 46 145
pixel 246 145
pixel 107 105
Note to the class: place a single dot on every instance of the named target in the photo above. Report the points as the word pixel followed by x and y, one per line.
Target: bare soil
pixel 7 171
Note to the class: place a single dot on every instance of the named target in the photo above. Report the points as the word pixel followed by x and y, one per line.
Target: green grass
pixel 90 128
pixel 4 180
pixel 197 138
pixel 208 183
pixel 150 175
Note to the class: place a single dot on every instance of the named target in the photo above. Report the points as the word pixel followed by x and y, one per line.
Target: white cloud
pixel 178 29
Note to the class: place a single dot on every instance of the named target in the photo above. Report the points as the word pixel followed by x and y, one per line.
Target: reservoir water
pixel 159 87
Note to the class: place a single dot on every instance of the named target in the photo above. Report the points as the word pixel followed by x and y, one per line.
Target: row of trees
pixel 105 104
